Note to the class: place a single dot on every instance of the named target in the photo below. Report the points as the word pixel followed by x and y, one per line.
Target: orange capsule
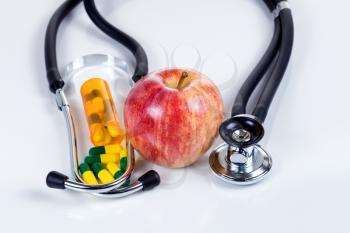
pixel 115 131
pixel 97 132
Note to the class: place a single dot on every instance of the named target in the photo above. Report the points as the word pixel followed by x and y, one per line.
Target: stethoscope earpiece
pixel 56 180
pixel 149 180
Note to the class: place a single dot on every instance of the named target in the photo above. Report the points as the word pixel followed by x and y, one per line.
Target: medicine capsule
pixel 97 134
pixel 95 106
pixel 104 176
pixel 100 112
pixel 117 173
pixel 115 131
pixel 114 169
pixel 110 149
pixel 123 159
pixel 104 159
pixel 87 175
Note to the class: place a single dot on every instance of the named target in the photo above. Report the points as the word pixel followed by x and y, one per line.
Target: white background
pixel 308 126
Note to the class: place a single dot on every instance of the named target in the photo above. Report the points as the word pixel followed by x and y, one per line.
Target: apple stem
pixel 182 79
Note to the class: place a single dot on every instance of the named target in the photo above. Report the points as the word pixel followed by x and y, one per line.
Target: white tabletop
pixel 307 128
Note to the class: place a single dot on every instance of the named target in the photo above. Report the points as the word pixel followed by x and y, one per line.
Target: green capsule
pixel 84 168
pixel 114 170
pixel 92 159
pixel 110 149
pixel 87 175
pixel 103 158
pixel 123 163
pixel 123 160
pixel 104 176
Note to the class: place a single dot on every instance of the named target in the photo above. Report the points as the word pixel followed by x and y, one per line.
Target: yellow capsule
pixel 108 149
pixel 89 177
pixel 105 176
pixel 98 134
pixel 109 158
pixel 113 149
pixel 103 159
pixel 123 153
pixel 115 170
pixel 115 131
pixel 98 105
pixel 89 108
pixel 108 139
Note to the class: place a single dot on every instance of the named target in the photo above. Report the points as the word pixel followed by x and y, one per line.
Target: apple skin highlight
pixel 172 116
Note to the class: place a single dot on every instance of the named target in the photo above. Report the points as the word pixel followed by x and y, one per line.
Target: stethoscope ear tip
pixel 56 180
pixel 150 180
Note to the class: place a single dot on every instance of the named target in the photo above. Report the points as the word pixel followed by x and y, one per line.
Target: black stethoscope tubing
pixel 53 75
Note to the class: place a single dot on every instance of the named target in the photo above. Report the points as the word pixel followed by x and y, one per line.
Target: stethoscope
pixel 240 160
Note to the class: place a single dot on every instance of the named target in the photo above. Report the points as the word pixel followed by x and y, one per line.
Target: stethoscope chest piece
pixel 240 166
pixel 241 160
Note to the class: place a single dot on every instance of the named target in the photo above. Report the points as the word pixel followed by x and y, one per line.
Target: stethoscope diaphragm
pixel 240 166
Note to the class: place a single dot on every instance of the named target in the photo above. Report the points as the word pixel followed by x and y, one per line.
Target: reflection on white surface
pixel 186 56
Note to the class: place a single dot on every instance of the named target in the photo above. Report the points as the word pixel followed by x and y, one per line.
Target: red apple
pixel 172 116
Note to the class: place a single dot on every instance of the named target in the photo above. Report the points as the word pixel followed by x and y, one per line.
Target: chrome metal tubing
pixel 63 105
pixel 122 192
pixel 110 190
